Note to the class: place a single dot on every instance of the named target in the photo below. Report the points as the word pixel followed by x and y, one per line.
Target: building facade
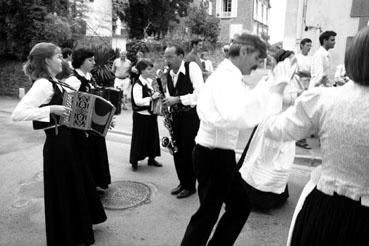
pixel 240 15
pixel 309 18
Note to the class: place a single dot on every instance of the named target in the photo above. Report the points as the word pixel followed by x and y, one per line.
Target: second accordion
pixel 89 112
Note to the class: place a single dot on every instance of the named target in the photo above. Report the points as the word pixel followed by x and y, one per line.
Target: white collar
pixel 87 75
pixel 323 51
pixel 228 65
pixel 181 69
pixel 144 81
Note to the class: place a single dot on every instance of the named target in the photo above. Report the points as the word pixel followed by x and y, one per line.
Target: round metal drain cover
pixel 125 194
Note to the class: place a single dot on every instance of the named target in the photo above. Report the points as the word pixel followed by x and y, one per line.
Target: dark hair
pixel 326 35
pixel 304 41
pixel 35 66
pixel 252 41
pixel 66 52
pixel 143 64
pixel 282 54
pixel 66 71
pixel 195 42
pixel 80 55
pixel 357 58
pixel 179 49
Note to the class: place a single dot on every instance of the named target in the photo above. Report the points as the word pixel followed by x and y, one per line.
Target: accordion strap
pixel 63 84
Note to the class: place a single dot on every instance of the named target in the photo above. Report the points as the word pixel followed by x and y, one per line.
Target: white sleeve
pixel 197 82
pixel 73 82
pixel 317 71
pixel 241 107
pixel 28 108
pixel 137 96
pixel 298 121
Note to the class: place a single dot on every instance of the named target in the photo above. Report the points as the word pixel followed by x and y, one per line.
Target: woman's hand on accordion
pixel 60 110
pixel 169 101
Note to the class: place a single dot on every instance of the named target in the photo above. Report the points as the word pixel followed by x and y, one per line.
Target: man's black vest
pixel 57 99
pixel 146 92
pixel 184 85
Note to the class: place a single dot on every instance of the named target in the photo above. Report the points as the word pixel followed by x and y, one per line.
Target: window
pixel 227 8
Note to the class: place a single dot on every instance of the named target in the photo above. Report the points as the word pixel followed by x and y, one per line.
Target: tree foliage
pixel 152 17
pixel 26 22
pixel 202 24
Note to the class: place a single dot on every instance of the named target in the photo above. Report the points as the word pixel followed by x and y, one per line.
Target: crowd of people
pixel 208 109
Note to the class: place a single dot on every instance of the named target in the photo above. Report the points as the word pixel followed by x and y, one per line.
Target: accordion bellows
pixel 89 112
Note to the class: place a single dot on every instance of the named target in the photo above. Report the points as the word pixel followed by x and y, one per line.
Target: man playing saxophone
pixel 184 81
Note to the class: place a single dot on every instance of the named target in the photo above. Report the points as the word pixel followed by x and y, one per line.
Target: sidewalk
pixel 123 126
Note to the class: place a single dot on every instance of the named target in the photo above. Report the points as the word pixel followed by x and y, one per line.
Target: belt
pixel 123 77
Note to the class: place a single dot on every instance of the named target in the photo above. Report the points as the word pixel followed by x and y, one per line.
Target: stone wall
pixel 12 78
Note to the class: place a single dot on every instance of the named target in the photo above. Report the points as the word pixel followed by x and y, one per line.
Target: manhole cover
pixel 125 194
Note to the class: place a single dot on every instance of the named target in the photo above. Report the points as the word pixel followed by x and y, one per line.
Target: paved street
pixel 159 222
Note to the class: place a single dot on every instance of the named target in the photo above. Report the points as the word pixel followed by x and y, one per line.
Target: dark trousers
pixel 185 127
pixel 219 182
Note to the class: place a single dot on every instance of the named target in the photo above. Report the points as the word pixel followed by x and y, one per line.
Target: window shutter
pixel 234 8
pixel 218 8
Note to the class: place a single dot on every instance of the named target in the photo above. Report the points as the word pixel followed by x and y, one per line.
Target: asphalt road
pixel 159 222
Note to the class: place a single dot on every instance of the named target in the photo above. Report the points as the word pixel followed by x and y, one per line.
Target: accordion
pixel 89 112
pixel 111 94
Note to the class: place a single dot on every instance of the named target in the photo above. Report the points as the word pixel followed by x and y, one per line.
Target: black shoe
pixel 185 193
pixel 303 145
pixel 154 163
pixel 176 190
pixel 134 166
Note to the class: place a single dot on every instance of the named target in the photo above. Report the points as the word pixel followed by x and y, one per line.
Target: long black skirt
pixel 98 160
pixel 331 220
pixel 72 204
pixel 145 137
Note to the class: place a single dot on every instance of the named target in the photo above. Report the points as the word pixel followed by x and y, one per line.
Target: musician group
pixel 204 120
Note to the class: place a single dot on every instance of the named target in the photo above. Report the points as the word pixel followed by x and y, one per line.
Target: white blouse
pixel 137 94
pixel 340 117
pixel 28 108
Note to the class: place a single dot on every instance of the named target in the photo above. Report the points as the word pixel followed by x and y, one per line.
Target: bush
pixel 104 57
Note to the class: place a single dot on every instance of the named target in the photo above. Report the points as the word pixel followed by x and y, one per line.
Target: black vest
pixel 57 99
pixel 146 92
pixel 184 84
pixel 85 83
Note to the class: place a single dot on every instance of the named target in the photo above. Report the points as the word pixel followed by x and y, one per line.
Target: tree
pixel 202 24
pixel 26 22
pixel 152 16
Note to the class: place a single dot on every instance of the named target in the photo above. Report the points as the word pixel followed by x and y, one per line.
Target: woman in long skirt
pixel 94 145
pixel 72 204
pixel 145 133
pixel 336 210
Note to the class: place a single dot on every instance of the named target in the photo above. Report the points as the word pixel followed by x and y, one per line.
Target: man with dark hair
pixel 67 56
pixel 321 61
pixel 183 84
pixel 225 106
pixel 193 56
pixel 303 76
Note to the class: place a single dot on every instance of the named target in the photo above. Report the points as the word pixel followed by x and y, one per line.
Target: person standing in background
pixel 193 55
pixel 121 69
pixel 303 76
pixel 321 61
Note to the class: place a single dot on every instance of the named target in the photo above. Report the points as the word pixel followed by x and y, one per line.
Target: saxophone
pixel 167 142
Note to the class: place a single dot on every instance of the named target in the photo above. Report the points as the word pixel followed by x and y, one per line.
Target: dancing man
pixel 226 105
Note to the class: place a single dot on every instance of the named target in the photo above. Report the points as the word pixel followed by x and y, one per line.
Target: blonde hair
pixel 35 66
